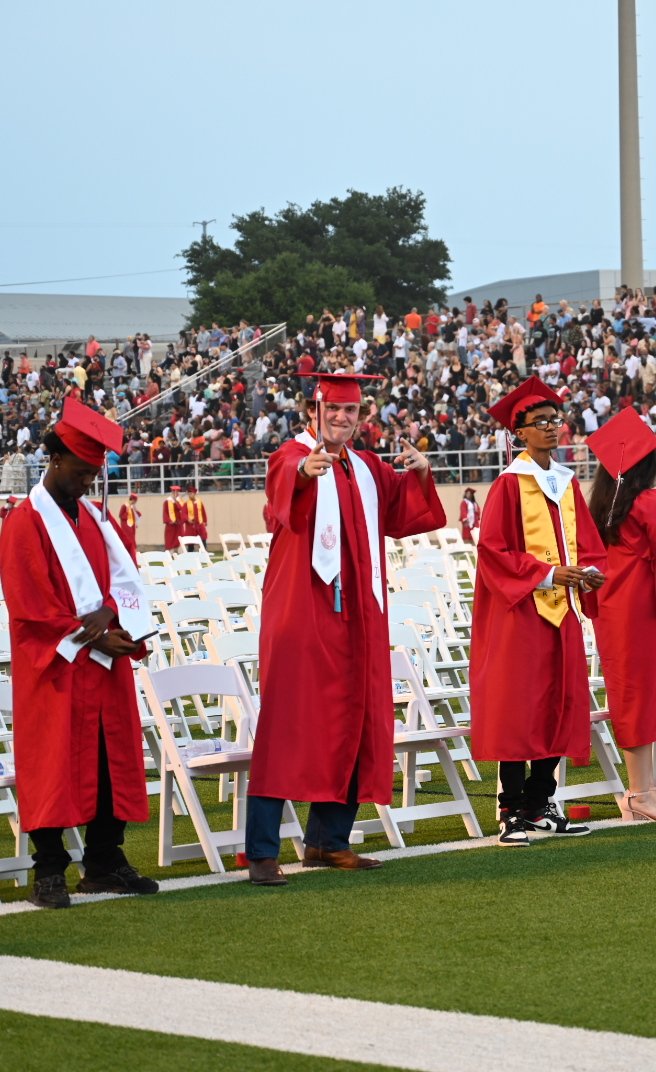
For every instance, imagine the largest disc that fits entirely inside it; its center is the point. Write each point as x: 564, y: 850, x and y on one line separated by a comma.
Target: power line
x: 84, y: 278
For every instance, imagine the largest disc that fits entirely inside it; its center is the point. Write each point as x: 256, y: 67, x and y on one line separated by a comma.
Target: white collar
x: 553, y: 481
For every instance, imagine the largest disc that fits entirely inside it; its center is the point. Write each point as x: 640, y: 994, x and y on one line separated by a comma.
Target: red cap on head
x: 192, y: 489
x: 88, y: 434
x: 339, y: 387
x: 133, y: 495
x: 175, y: 487
x: 622, y: 442
x: 532, y: 391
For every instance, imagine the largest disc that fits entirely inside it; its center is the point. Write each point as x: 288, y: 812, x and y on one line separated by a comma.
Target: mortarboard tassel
x: 509, y: 446
x: 620, y: 481
x: 105, y: 488
x: 318, y: 398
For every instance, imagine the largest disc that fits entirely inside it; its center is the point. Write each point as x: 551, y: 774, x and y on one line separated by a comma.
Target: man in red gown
x: 195, y: 515
x: 470, y: 514
x: 538, y: 553
x: 173, y: 519
x: 128, y: 517
x: 71, y: 589
x: 325, y: 730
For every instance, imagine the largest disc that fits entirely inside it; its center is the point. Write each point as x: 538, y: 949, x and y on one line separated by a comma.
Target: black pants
x: 104, y: 834
x: 328, y: 827
x: 532, y: 793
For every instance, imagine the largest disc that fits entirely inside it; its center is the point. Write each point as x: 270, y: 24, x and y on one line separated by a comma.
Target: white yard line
x: 400, y: 1036
x: 171, y: 885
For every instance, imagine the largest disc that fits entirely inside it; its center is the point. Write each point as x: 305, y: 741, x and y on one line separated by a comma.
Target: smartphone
x: 146, y: 636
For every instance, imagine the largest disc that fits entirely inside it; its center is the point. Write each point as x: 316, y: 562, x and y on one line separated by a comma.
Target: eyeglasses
x: 544, y: 422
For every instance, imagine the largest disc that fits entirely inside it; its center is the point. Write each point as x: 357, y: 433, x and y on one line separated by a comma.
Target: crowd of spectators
x: 440, y: 372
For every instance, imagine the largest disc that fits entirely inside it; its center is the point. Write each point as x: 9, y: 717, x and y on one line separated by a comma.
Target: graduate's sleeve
x: 40, y: 615
x: 410, y: 504
x: 591, y: 550
x: 290, y: 499
x: 123, y: 512
x: 505, y: 568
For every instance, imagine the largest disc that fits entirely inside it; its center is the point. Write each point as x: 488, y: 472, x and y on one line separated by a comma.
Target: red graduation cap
x: 532, y: 391
x: 192, y: 489
x: 175, y: 487
x: 88, y: 434
x: 133, y: 496
x: 622, y: 442
x: 339, y: 387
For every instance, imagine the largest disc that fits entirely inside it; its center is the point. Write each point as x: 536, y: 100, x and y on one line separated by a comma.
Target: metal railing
x: 246, y: 354
x: 240, y: 474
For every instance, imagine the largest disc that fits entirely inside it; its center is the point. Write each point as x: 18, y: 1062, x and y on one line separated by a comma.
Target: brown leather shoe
x: 265, y: 873
x: 342, y: 859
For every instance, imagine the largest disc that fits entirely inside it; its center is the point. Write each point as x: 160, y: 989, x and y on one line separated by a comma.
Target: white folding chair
x: 231, y: 543
x: 418, y: 732
x: 154, y: 558
x: 260, y: 539
x: 17, y: 865
x: 194, y: 543
x: 181, y: 765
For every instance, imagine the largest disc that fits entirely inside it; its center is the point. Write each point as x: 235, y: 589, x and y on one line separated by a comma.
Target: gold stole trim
x: 190, y: 510
x: 173, y: 516
x: 540, y: 541
x: 130, y: 517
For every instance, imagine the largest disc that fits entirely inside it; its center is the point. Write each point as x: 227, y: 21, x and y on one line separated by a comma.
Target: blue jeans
x: 328, y: 827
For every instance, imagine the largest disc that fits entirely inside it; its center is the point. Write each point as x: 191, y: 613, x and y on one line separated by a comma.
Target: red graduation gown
x: 172, y: 529
x: 128, y: 532
x: 197, y: 526
x: 626, y: 625
x: 528, y: 679
x: 325, y: 676
x: 59, y: 706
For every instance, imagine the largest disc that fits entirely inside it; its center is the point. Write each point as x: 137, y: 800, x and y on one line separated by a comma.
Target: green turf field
x: 550, y: 933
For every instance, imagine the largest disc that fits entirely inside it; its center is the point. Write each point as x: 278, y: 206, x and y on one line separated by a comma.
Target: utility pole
x: 203, y: 224
x: 630, y: 197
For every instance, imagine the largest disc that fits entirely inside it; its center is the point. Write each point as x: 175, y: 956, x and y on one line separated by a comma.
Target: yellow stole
x: 540, y: 540
x: 173, y: 516
x: 191, y: 505
x: 129, y: 520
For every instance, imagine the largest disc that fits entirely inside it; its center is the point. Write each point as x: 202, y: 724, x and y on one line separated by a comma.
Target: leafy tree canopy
x: 364, y: 249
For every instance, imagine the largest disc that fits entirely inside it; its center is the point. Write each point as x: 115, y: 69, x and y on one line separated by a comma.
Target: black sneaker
x: 124, y: 879
x: 548, y: 821
x: 50, y: 892
x: 511, y: 830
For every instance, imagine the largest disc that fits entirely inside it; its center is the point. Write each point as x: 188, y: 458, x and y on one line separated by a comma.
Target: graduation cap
x: 86, y: 433
x: 531, y: 392
x: 622, y: 442
x: 619, y: 445
x: 338, y: 387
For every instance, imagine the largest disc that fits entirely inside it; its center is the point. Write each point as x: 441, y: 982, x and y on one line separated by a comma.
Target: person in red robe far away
x: 539, y: 553
x: 195, y: 515
x: 77, y: 734
x: 623, y: 505
x: 470, y: 514
x: 325, y: 730
x: 128, y: 517
x: 173, y: 519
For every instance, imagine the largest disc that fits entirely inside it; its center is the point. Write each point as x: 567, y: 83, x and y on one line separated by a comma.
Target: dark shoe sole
x: 39, y: 904
x: 268, y: 882
x: 336, y: 867
x: 82, y: 887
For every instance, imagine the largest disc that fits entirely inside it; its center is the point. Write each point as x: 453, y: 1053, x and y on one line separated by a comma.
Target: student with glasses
x: 539, y: 554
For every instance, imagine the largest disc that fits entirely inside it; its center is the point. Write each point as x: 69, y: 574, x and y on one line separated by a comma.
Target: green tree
x: 375, y: 247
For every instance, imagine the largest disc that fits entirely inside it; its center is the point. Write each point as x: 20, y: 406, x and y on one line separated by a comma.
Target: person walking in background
x: 173, y: 518
x: 538, y: 554
x: 470, y: 514
x: 195, y: 515
x: 623, y: 506
x: 129, y: 518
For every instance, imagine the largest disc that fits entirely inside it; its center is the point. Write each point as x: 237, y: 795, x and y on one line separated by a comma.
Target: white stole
x: 125, y: 583
x: 327, y: 543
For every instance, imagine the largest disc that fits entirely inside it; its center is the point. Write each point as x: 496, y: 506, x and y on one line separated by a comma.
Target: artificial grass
x: 142, y: 839
x: 557, y: 933
x: 35, y: 1043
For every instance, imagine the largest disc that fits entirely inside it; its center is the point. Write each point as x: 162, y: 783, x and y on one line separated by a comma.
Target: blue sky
x: 125, y: 122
